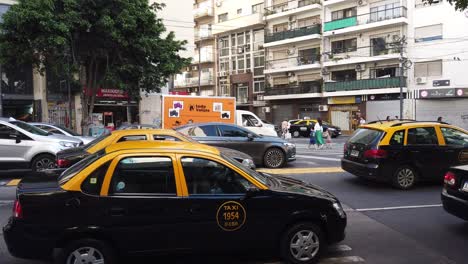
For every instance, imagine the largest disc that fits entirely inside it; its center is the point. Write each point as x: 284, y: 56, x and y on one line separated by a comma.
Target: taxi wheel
x: 296, y: 134
x: 86, y: 251
x: 405, y: 178
x: 302, y: 244
x: 43, y: 162
x: 274, y: 158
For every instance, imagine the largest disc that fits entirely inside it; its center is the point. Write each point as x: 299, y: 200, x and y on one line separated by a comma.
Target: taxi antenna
x: 379, y: 120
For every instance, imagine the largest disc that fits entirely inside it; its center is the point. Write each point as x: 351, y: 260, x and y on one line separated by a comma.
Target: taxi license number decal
x: 463, y: 156
x: 231, y: 216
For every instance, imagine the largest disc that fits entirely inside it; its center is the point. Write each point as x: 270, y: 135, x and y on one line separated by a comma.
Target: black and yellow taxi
x: 302, y: 128
x: 143, y: 198
x: 405, y: 152
x: 455, y: 192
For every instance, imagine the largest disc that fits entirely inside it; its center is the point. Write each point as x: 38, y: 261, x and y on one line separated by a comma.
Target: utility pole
x: 401, y: 45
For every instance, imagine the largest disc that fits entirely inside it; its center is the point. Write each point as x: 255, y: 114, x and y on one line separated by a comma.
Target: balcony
x: 293, y: 92
x: 207, y: 56
x: 381, y: 18
x: 291, y: 7
x: 203, y: 11
x: 193, y: 81
x: 202, y: 34
x: 238, y: 23
x: 352, y: 55
x: 294, y: 35
x: 379, y: 83
x: 292, y: 64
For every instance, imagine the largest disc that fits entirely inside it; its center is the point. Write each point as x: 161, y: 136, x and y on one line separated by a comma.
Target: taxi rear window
x: 81, y: 165
x: 366, y: 136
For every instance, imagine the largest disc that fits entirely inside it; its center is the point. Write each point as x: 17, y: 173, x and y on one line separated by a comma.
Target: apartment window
x: 428, y: 33
x: 222, y: 17
x: 428, y: 69
x: 223, y: 64
x: 259, y: 85
x: 240, y: 39
x: 384, y: 12
x: 385, y: 72
x: 307, y: 22
x: 224, y: 46
x: 280, y: 27
x: 258, y: 8
x: 280, y: 54
x: 248, y: 64
x: 344, y: 76
x: 382, y: 44
x: 259, y: 63
x: 239, y: 11
x: 243, y: 93
x: 344, y: 13
x: 233, y: 64
x: 259, y: 39
x: 282, y: 81
x: 342, y: 46
x: 241, y: 63
x: 308, y: 56
x: 280, y: 5
x: 233, y: 40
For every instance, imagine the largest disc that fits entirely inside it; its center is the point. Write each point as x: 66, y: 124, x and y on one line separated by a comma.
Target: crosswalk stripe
x: 339, y: 260
x: 302, y: 170
x: 13, y: 182
x: 315, y: 157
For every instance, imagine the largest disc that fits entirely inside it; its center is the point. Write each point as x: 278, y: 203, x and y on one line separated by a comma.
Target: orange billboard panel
x: 182, y: 110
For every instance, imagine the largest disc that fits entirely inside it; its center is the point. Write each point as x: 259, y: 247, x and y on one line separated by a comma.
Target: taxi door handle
x: 117, y: 211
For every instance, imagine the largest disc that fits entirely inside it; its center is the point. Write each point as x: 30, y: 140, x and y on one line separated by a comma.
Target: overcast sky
x: 178, y: 17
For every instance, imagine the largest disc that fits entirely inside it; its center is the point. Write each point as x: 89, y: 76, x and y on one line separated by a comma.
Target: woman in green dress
x: 318, y: 128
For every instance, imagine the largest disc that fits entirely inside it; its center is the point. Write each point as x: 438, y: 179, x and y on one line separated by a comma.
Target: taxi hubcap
x: 45, y: 163
x: 85, y: 255
x: 405, y: 178
x: 274, y: 158
x: 304, y: 245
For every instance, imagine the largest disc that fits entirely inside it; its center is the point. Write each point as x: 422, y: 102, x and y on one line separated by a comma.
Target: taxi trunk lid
x: 39, y: 182
x: 362, y: 141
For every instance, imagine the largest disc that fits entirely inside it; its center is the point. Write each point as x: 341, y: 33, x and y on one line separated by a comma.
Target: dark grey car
x: 271, y: 152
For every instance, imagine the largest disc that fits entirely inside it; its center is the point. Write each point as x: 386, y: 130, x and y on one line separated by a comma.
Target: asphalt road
x: 385, y: 225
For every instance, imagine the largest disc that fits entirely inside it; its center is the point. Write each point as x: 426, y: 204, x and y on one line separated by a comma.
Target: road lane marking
x: 396, y: 208
x: 302, y: 170
x: 315, y: 157
x: 350, y: 259
x: 14, y: 182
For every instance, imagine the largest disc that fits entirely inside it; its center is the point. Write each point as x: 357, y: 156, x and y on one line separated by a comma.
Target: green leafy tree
x: 460, y: 5
x: 106, y: 43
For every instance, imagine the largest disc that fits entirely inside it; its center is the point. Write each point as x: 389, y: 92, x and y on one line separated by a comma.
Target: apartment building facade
x: 240, y: 35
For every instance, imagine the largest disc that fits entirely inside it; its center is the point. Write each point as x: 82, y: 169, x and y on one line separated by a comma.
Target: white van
x: 252, y: 122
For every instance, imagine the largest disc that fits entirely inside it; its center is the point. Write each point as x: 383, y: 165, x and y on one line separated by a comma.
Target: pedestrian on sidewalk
x: 327, y: 136
x: 318, y: 128
x: 312, y: 139
x: 284, y: 128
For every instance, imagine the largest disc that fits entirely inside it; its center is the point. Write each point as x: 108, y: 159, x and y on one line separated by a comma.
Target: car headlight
x: 67, y: 144
x: 339, y: 210
x: 289, y: 145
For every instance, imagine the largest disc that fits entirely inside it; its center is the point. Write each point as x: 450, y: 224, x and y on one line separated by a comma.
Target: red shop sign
x: 109, y: 93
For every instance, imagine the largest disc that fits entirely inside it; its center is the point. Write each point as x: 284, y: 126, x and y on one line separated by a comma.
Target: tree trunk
x: 87, y: 95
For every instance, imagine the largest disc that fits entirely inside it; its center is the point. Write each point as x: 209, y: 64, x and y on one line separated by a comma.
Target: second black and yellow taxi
x: 145, y: 197
x: 403, y: 152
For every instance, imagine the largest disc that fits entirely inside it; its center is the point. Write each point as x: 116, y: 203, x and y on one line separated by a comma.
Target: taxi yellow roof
x: 139, y: 131
x: 387, y: 124
x: 161, y: 145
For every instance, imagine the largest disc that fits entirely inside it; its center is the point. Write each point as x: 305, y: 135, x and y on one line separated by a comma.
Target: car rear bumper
x: 22, y: 244
x: 454, y: 205
x: 368, y: 171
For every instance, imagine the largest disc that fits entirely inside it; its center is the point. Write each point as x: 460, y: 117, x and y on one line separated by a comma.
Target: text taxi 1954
x: 143, y: 197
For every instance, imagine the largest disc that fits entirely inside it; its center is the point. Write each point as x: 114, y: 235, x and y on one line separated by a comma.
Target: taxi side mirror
x: 251, y: 192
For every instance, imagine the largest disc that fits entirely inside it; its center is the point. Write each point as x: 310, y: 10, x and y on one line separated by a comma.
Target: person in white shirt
x: 362, y: 121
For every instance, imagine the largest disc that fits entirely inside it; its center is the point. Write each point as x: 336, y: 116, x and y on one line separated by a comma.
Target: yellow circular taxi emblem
x: 231, y: 216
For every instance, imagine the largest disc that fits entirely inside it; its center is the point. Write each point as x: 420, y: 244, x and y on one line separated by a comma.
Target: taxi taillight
x: 375, y: 154
x: 63, y: 163
x: 450, y: 179
x: 17, y: 210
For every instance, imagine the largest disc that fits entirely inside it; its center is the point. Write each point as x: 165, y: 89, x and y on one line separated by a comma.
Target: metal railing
x: 367, y: 51
x: 378, y: 83
x: 290, y: 5
x: 292, y: 62
x: 294, y: 33
x: 372, y: 17
x: 192, y: 82
x: 295, y: 89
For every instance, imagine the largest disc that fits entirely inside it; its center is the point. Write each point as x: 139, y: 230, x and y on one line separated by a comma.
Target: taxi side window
x: 422, y: 136
x: 144, y: 176
x: 208, y: 177
x: 398, y: 138
x: 454, y: 136
x: 165, y: 138
x: 92, y: 185
x: 132, y: 138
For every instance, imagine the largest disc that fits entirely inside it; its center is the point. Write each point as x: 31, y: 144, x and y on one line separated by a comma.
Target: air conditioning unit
x: 292, y: 18
x: 266, y: 109
x: 240, y: 50
x: 421, y: 80
x: 222, y: 74
x: 362, y: 2
x: 325, y: 71
x: 323, y: 108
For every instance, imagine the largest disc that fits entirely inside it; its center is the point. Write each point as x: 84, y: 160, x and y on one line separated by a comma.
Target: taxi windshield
x: 259, y: 177
x: 76, y: 168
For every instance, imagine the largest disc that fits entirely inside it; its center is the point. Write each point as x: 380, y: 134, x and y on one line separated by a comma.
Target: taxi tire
x: 404, y: 169
x: 286, y: 254
x: 268, y: 153
x: 296, y: 134
x: 104, y: 248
